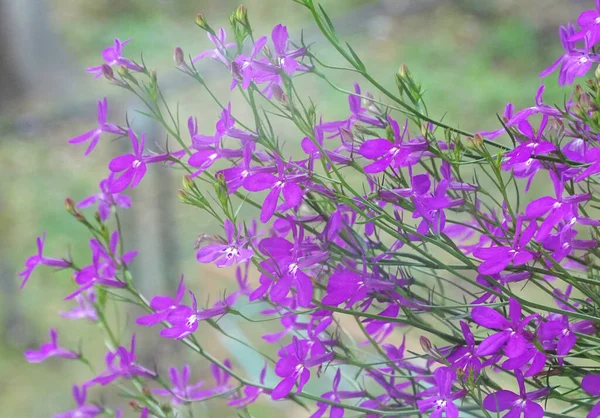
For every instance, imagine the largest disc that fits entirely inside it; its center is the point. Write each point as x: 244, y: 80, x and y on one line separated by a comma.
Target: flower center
x: 583, y: 60
x: 520, y: 403
x: 293, y: 268
x: 191, y: 321
x: 441, y: 404
x: 231, y: 252
x: 136, y: 163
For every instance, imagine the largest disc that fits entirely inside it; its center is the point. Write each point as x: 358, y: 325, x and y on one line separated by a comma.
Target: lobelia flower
x: 591, y: 156
x: 221, y: 46
x: 539, y: 108
x: 465, y: 357
x: 293, y: 366
x: 591, y: 384
x: 103, y: 127
x: 392, y: 154
x: 82, y: 410
x: 162, y: 306
x: 497, y: 258
x: 534, y: 145
x: 105, y: 199
x: 380, y: 329
x: 113, y: 55
x: 498, y: 280
x: 184, y: 320
x: 251, y: 393
x: 105, y: 264
x: 85, y: 308
x: 348, y: 286
x: 121, y: 363
x: 560, y: 329
x: 441, y: 398
x: 49, y: 349
x: 521, y: 404
x: 291, y: 262
x: 132, y: 166
x: 559, y: 208
x: 563, y: 243
x: 574, y: 62
x: 39, y: 259
x: 224, y: 255
x: 284, y: 182
x: 181, y: 392
x: 336, y: 396
x: 511, y: 334
x: 285, y: 57
x: 249, y: 69
x: 590, y: 27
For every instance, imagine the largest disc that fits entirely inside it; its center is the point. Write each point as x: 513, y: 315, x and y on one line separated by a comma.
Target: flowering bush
x: 389, y: 217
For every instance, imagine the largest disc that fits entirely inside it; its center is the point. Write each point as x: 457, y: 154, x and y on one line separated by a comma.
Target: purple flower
x: 590, y: 24
x: 113, y: 55
x: 591, y: 384
x: 85, y: 308
x: 392, y: 154
x: 511, y: 333
x: 285, y: 58
x: 132, y: 166
x: 121, y: 363
x: 574, y: 62
x: 560, y: 329
x: 83, y: 410
x: 521, y: 404
x: 540, y: 107
x: 251, y: 393
x: 293, y: 366
x: 162, y: 306
x: 441, y: 398
x: 35, y: 260
x: 224, y: 255
x: 497, y: 258
x: 184, y: 320
x: 181, y: 392
x: 336, y: 396
x: 105, y: 199
x: 221, y: 46
x: 49, y: 349
x: 94, y: 135
x: 465, y: 357
x: 532, y: 146
x: 560, y: 207
x: 284, y: 182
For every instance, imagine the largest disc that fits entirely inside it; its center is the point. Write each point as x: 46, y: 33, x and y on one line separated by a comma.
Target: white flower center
x: 231, y: 252
x: 441, y: 403
x: 583, y: 60
x: 293, y: 268
x: 136, y: 163
x: 191, y: 321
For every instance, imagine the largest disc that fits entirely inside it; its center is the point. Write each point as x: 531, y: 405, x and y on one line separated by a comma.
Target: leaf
x: 359, y: 63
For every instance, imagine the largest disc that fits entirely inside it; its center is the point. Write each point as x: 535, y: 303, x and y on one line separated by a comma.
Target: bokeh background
x: 472, y: 57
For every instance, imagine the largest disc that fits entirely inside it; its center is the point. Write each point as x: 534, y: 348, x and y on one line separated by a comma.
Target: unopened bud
x: 241, y: 14
x: 178, y: 56
x: 597, y: 73
x: 403, y: 71
x: 202, y: 23
x: 476, y: 140
x: 425, y: 344
x: 107, y: 71
x: 188, y: 183
x: 72, y: 209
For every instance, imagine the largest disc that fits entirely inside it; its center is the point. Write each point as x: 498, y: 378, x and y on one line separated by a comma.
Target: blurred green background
x: 471, y: 56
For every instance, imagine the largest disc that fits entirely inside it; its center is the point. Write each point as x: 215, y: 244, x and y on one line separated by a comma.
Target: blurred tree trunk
x: 33, y: 61
x: 32, y: 65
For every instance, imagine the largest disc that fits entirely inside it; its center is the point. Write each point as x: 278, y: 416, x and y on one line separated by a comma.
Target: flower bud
x: 201, y: 21
x: 107, y: 71
x: 403, y: 71
x: 72, y: 209
x: 178, y: 56
x: 241, y: 14
x: 188, y: 183
x: 476, y: 140
x: 597, y: 72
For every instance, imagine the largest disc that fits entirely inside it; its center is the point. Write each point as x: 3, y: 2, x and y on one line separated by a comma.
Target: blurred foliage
x: 472, y: 57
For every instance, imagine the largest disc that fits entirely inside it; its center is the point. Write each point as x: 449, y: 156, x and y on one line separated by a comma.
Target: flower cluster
x: 390, y: 217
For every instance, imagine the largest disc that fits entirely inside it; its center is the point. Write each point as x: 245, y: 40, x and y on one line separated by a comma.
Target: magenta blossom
x: 121, y: 363
x: 511, y: 333
x: 105, y: 199
x: 82, y: 410
x: 103, y: 126
x: 440, y: 399
x: 113, y: 55
x: 181, y: 392
x: 591, y: 384
x: 162, y: 306
x: 132, y: 166
x: 221, y: 46
x: 521, y: 404
x: 251, y: 393
x: 224, y: 255
x: 50, y: 349
x: 293, y: 366
x: 335, y: 395
x: 85, y: 308
x: 39, y: 259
